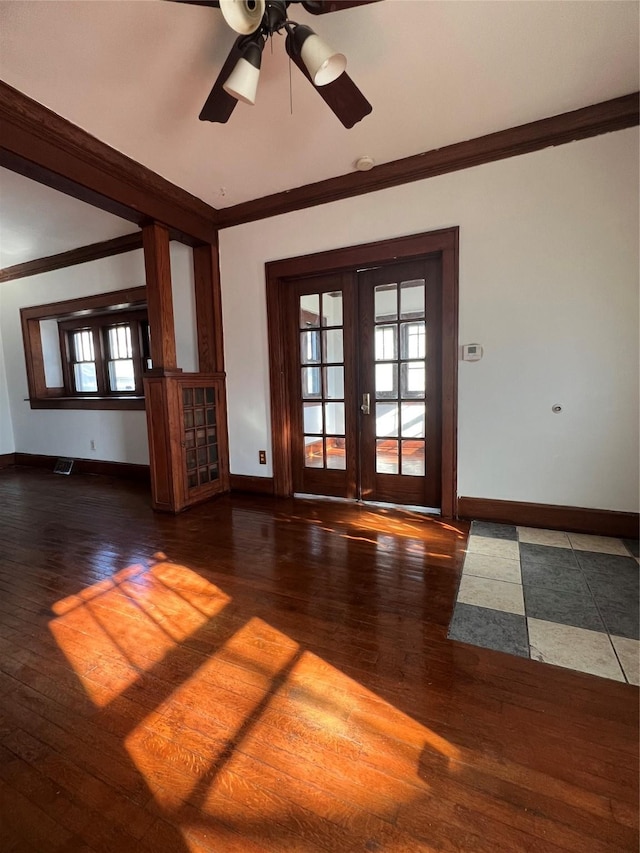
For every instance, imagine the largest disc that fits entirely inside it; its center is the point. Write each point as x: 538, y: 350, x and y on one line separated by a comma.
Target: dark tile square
x: 547, y: 555
x: 491, y: 629
x: 618, y: 592
x: 607, y: 564
x: 569, y: 607
x: 494, y: 531
x: 633, y: 545
x: 621, y: 622
x: 553, y: 576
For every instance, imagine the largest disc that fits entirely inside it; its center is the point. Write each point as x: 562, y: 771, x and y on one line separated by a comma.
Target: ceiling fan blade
x: 322, y: 7
x: 342, y: 95
x: 219, y: 105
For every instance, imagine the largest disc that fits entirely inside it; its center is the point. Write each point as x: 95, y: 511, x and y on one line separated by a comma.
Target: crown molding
x: 93, y: 252
x: 38, y: 143
x: 616, y: 114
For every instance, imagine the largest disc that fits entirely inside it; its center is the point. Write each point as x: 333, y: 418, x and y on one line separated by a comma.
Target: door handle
x: 365, y: 408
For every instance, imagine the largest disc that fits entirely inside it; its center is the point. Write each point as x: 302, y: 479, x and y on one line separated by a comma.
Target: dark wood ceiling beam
x: 42, y: 145
x: 94, y: 252
x: 594, y: 120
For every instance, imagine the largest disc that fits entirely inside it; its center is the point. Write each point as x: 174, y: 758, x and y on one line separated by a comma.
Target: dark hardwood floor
x: 262, y: 675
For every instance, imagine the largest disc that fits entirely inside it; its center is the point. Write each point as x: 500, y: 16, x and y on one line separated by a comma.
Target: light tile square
x: 490, y: 593
x: 629, y: 656
x: 554, y: 538
x: 573, y: 648
x: 598, y: 544
x: 484, y: 566
x: 505, y: 548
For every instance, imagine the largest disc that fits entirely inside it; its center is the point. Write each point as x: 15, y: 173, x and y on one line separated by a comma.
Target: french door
x: 364, y: 355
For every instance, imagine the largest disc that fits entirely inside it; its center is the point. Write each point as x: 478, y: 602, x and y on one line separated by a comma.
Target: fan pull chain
x: 290, y: 90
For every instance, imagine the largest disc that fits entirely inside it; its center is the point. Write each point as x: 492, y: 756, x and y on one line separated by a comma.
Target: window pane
x: 413, y: 458
x: 412, y: 379
x: 386, y: 381
x: 336, y: 454
x: 386, y: 419
x: 386, y: 302
x: 334, y: 418
x: 387, y: 457
x: 332, y: 309
x: 313, y: 451
x: 386, y: 343
x: 85, y: 378
x: 309, y: 310
x: 413, y: 417
x: 412, y: 299
x: 332, y: 342
x: 413, y: 339
x: 310, y: 347
x: 311, y: 382
x: 312, y: 417
x: 121, y: 375
x: 334, y: 383
x: 83, y: 345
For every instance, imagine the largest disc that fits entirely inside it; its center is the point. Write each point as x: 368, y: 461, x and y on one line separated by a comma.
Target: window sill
x: 123, y: 403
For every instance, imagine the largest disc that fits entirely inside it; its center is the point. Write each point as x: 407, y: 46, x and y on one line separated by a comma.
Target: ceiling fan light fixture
x: 242, y: 83
x: 243, y: 16
x: 321, y: 61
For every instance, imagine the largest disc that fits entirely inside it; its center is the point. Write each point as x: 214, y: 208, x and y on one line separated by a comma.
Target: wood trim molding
x: 253, y: 485
x: 208, y: 298
x: 124, y: 470
x: 132, y: 296
x: 38, y: 143
x: 600, y: 522
x: 616, y: 114
x: 157, y: 264
x: 445, y: 242
x: 93, y: 252
x: 7, y: 460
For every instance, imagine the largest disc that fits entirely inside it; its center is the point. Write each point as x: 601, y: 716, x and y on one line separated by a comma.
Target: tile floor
x: 563, y: 598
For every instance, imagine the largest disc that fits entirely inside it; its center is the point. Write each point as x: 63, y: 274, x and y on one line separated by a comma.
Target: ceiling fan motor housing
x: 243, y: 16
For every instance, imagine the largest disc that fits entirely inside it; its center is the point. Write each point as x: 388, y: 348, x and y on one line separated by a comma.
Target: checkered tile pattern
x: 563, y: 598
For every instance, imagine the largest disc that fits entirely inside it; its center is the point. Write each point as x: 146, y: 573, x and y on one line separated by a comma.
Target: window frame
x: 99, y: 313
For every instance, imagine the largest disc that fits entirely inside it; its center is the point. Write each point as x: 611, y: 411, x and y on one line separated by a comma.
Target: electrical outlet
x: 262, y: 457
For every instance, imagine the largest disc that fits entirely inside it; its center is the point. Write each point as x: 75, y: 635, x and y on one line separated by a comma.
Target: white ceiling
x: 135, y: 74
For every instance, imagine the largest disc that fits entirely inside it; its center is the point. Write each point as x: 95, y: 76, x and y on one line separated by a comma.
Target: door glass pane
x: 386, y: 302
x: 386, y: 419
x: 309, y: 310
x: 334, y: 383
x: 332, y: 309
x: 332, y: 343
x: 312, y: 417
x: 313, y: 451
x: 386, y: 381
x: 85, y: 378
x: 387, y: 457
x: 413, y: 340
x: 334, y: 418
x: 386, y: 343
x: 413, y: 420
x: 336, y: 454
x: 413, y: 458
x: 310, y: 347
x: 412, y: 379
x: 412, y: 299
x: 311, y: 382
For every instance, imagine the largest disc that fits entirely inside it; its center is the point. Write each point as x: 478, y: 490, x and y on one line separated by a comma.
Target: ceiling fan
x: 258, y: 20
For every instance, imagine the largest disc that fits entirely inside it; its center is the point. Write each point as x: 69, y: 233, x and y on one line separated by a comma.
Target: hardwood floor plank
x: 260, y: 675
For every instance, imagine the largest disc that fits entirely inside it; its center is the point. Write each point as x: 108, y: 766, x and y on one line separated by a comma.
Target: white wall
x: 6, y: 427
x: 119, y: 436
x: 549, y: 287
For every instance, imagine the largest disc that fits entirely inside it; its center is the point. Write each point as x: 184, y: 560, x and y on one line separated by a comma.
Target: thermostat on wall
x: 471, y: 352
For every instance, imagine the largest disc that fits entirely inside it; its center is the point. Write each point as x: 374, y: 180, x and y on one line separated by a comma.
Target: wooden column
x: 157, y: 264
x: 208, y: 308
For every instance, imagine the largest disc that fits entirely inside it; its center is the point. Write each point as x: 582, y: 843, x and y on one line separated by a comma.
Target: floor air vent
x: 63, y: 466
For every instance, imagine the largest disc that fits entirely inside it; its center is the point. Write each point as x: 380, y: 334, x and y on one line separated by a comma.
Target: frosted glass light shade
x: 242, y: 83
x: 322, y: 63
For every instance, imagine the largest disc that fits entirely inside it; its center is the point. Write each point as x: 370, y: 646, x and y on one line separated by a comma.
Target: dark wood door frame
x: 279, y: 273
